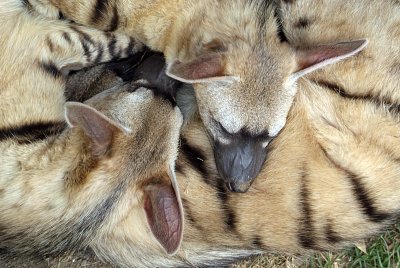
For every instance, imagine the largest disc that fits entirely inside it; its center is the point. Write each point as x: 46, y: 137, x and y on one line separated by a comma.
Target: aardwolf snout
x: 239, y: 163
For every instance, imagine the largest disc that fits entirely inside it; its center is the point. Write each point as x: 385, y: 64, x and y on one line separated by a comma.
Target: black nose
x: 239, y: 163
x: 238, y: 187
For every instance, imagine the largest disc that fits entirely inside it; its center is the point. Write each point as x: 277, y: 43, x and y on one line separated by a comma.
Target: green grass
x: 383, y: 251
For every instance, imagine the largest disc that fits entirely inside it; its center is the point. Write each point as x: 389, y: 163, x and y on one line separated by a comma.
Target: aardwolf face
x: 245, y: 106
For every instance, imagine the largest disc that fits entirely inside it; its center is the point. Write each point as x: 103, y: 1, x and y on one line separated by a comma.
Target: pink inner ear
x: 312, y: 56
x: 164, y: 216
x: 96, y: 126
x: 309, y: 58
x: 207, y: 66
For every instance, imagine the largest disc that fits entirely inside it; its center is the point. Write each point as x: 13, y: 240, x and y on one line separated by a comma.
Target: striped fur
x: 51, y: 169
x: 331, y: 179
x: 375, y: 69
x: 36, y: 54
x: 233, y: 51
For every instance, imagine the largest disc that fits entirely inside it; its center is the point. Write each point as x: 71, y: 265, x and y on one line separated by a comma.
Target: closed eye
x: 222, y: 130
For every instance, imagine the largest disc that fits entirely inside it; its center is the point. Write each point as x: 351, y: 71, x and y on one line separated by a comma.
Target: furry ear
x: 164, y: 211
x: 204, y: 69
x: 96, y: 126
x: 314, y: 58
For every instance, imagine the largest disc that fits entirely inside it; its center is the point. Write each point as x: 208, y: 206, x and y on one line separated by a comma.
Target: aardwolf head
x: 132, y: 133
x: 244, y: 106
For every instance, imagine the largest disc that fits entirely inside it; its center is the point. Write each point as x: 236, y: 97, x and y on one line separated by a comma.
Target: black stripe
x: 190, y: 217
x: 51, y: 68
x: 179, y: 168
x: 114, y: 20
x: 67, y: 37
x: 89, y: 224
x: 365, y: 201
x: 394, y: 108
x: 303, y: 23
x: 32, y: 132
x: 111, y: 44
x: 306, y: 231
x: 230, y: 218
x: 27, y: 5
x: 131, y: 45
x: 280, y: 30
x: 257, y: 242
x: 61, y: 16
x: 99, y: 11
x: 361, y: 193
x: 331, y: 235
x: 222, y: 194
x: 100, y: 52
x: 196, y: 158
x: 188, y: 211
x: 395, y: 68
x: 339, y: 90
x: 112, y: 48
x: 263, y: 10
x: 81, y: 231
x: 86, y: 40
x: 50, y: 44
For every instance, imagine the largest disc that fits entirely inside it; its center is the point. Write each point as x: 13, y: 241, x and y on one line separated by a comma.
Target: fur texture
x: 57, y: 157
x: 331, y: 179
x: 376, y: 69
x: 39, y: 53
x: 235, y: 55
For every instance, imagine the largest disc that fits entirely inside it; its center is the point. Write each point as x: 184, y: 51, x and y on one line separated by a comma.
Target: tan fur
x: 39, y: 51
x: 184, y: 30
x: 245, y: 80
x: 319, y: 150
x: 59, y: 174
x: 331, y: 179
x: 376, y: 68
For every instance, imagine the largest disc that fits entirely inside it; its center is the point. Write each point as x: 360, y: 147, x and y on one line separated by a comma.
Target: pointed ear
x: 164, y: 211
x: 314, y: 58
x: 204, y: 69
x: 96, y: 126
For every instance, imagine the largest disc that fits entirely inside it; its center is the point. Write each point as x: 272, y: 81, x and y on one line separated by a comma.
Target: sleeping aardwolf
x: 57, y: 159
x: 331, y: 179
x: 235, y: 55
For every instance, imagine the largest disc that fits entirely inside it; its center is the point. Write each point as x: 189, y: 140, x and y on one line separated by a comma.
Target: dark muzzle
x: 239, y: 163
